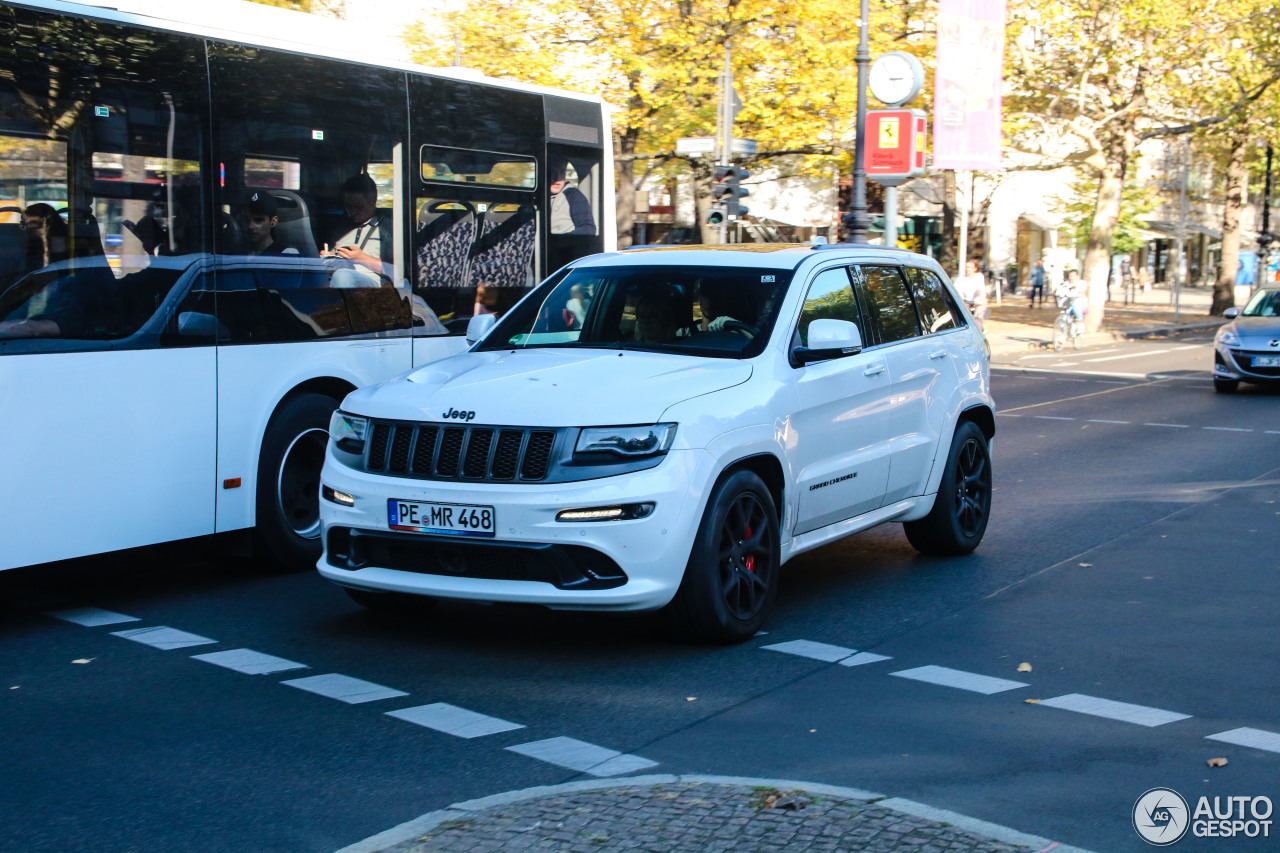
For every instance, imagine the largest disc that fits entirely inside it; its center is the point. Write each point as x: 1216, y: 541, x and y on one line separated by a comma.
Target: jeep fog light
x: 337, y: 497
x: 622, y: 512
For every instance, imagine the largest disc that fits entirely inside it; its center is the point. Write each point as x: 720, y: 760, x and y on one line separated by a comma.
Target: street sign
x: 696, y: 145
x: 894, y: 151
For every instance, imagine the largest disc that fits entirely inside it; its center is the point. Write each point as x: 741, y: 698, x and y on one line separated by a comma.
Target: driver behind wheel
x: 715, y: 310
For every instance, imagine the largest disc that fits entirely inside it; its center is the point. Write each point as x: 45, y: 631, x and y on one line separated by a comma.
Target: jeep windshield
x: 722, y: 312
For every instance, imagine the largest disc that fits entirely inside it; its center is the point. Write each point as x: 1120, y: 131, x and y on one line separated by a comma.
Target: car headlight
x: 1228, y: 338
x: 628, y: 442
x: 348, y: 431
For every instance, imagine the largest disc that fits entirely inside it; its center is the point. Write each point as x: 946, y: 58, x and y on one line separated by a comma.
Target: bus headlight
x: 348, y: 432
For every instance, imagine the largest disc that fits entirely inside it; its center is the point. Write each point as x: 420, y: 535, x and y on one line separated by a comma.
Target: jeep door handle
x: 937, y: 354
x: 874, y: 370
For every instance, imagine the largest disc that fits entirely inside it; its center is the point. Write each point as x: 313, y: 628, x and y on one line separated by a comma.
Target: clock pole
x: 857, y: 219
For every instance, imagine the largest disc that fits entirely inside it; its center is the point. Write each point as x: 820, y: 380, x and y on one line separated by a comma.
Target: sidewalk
x: 698, y: 814
x: 1015, y: 328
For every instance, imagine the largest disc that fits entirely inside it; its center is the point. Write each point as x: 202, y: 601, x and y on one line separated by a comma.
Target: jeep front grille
x: 467, y: 453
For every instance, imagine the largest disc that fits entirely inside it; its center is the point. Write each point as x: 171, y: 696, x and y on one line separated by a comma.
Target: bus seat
x: 445, y: 234
x: 503, y: 254
x: 293, y: 227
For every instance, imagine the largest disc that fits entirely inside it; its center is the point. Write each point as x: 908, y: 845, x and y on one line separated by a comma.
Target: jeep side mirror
x: 1231, y: 313
x: 829, y: 339
x: 479, y: 326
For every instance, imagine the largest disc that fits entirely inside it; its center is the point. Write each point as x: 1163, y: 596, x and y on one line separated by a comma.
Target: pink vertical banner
x: 966, y: 93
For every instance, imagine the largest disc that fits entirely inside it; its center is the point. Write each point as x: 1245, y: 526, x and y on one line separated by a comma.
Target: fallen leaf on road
x: 1217, y: 762
x: 1024, y: 667
x: 82, y: 660
x: 811, y: 731
x: 691, y: 699
x: 1086, y: 565
x: 770, y: 801
x: 1031, y: 701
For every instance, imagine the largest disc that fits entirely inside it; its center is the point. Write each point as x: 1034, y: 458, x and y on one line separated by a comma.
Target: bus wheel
x: 289, y: 481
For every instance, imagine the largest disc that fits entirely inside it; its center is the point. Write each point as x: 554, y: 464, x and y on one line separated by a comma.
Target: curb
x: 471, y: 808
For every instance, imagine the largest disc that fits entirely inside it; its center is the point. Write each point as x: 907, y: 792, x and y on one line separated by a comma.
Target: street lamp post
x: 1264, y: 236
x: 857, y: 220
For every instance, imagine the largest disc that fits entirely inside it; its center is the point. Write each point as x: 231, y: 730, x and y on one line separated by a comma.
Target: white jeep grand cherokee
x: 665, y: 427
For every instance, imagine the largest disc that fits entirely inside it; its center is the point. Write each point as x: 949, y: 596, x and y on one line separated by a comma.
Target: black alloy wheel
x: 956, y: 523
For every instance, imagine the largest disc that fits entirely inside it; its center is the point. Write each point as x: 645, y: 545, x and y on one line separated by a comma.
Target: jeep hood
x: 548, y: 387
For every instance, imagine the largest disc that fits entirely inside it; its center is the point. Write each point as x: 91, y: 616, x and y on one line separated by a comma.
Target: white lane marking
x: 1171, y: 426
x: 91, y: 617
x: 810, y: 649
x: 1072, y: 380
x: 453, y: 720
x: 1273, y: 432
x: 1128, y: 355
x: 863, y: 657
x: 1256, y: 738
x: 344, y: 688
x: 1006, y: 415
x: 1123, y: 711
x: 1110, y: 382
x: 163, y: 637
x: 1060, y: 355
x: 582, y: 756
x: 1052, y: 418
x: 960, y: 679
x: 1032, y: 372
x: 1101, y: 421
x: 1228, y: 429
x: 249, y: 662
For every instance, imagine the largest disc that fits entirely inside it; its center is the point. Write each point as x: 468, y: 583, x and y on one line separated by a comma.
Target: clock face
x: 896, y: 78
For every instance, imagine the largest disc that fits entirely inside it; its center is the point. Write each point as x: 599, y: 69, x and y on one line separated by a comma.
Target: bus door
x: 108, y: 392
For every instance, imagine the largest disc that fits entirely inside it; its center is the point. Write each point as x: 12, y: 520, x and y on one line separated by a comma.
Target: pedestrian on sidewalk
x: 1037, y: 283
x: 972, y: 288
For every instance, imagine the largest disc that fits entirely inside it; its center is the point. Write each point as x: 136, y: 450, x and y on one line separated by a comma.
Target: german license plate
x: 452, y: 519
x: 1266, y: 361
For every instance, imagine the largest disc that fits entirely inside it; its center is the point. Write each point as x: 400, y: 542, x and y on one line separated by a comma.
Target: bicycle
x: 1066, y: 327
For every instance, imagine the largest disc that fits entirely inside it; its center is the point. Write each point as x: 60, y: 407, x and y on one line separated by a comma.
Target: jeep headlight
x: 1228, y: 337
x: 348, y: 432
x: 627, y: 442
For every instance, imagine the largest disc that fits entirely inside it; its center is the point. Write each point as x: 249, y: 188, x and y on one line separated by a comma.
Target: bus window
x: 573, y: 186
x: 101, y: 178
x: 302, y: 184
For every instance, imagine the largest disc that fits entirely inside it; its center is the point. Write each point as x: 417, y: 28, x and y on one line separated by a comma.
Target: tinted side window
x: 101, y: 131
x: 830, y: 297
x: 888, y: 303
x: 931, y: 300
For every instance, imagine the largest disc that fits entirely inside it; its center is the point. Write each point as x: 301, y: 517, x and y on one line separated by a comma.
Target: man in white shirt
x: 972, y: 288
x: 367, y: 245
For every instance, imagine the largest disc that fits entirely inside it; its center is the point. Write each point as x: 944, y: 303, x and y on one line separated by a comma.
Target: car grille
x: 1244, y: 358
x: 562, y: 566
x: 467, y: 453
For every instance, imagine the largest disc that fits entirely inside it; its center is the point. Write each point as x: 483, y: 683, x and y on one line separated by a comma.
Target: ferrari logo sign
x: 895, y: 145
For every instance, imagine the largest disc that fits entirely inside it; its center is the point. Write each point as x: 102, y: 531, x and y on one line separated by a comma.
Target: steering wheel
x: 739, y: 327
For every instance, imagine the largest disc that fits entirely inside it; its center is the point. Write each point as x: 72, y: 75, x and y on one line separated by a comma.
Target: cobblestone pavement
x: 699, y: 817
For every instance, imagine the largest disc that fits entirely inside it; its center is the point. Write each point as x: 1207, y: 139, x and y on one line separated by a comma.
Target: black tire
x: 394, y: 603
x: 962, y: 507
x: 293, y: 450
x: 731, y: 579
x: 1225, y: 386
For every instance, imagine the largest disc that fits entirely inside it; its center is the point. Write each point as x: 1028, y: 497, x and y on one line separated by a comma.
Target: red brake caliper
x: 750, y: 561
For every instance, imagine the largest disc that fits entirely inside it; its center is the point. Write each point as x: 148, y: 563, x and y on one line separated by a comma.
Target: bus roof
x: 282, y: 29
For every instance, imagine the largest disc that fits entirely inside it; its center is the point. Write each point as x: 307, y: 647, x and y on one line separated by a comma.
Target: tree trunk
x: 626, y: 194
x: 949, y: 251
x: 1224, y: 289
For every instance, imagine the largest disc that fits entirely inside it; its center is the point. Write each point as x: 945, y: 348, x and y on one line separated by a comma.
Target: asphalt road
x: 1133, y: 556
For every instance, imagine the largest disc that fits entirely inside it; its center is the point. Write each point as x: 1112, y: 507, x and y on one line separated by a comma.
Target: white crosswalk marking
x: 582, y: 756
x: 1123, y: 711
x: 163, y: 637
x: 344, y: 688
x: 1256, y: 738
x: 249, y: 662
x: 453, y: 720
x: 810, y: 649
x: 92, y: 617
x: 958, y: 678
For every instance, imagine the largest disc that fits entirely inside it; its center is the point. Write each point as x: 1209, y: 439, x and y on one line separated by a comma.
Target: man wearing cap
x: 260, y: 218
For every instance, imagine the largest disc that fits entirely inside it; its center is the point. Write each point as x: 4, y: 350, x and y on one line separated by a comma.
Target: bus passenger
x: 570, y: 210
x: 260, y: 217
x: 365, y: 241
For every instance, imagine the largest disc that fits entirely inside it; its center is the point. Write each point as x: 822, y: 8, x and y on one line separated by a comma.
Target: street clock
x: 896, y: 77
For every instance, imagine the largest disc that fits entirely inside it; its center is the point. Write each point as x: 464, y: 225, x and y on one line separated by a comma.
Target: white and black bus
x: 208, y: 237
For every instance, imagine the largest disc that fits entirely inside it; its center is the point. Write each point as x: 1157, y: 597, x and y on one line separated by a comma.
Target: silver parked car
x: 1247, y: 349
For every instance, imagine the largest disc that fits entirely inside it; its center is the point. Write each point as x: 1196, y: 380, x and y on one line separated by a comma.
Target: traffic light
x: 726, y: 193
